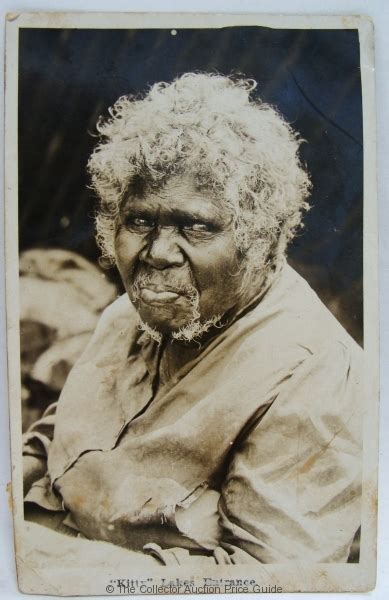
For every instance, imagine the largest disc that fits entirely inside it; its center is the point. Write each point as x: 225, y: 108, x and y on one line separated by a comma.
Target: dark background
x: 69, y: 77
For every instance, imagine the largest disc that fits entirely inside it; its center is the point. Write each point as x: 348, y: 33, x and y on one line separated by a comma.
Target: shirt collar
x: 151, y: 350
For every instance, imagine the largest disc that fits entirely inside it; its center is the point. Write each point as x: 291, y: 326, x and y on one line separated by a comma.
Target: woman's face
x: 174, y: 245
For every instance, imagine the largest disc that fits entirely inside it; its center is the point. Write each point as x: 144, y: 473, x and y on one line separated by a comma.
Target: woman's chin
x: 163, y: 319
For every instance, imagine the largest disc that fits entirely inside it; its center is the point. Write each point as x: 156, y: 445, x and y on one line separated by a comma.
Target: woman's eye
x: 197, y: 227
x: 140, y: 224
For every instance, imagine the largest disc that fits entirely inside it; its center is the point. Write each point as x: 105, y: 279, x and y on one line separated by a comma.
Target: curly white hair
x: 209, y: 126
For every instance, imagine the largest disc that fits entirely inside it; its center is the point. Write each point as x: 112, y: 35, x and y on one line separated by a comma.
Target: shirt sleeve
x: 36, y: 442
x: 37, y: 439
x: 293, y: 488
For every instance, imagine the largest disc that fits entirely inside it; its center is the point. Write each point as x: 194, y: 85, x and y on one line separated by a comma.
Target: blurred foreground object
x: 61, y: 297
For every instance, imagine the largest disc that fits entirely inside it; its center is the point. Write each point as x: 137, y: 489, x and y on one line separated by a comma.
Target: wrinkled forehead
x: 178, y: 194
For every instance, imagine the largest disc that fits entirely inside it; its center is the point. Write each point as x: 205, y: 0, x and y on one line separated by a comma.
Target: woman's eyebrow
x: 177, y: 215
x: 193, y: 215
x: 138, y: 211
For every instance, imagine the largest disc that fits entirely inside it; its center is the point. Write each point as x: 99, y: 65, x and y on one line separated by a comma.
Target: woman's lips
x: 161, y: 297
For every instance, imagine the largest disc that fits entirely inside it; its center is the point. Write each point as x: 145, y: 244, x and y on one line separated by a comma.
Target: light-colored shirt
x: 251, y: 452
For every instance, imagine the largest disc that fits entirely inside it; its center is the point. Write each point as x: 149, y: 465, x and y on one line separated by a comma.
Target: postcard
x: 191, y: 264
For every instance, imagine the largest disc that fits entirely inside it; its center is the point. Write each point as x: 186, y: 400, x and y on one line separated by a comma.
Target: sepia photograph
x: 191, y: 303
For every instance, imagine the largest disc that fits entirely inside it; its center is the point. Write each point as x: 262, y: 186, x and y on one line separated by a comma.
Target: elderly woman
x: 216, y: 411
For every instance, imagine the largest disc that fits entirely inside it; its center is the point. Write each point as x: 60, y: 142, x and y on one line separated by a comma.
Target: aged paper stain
x: 9, y: 493
x: 12, y: 16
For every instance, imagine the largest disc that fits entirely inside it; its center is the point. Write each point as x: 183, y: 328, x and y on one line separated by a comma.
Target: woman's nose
x: 162, y: 250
